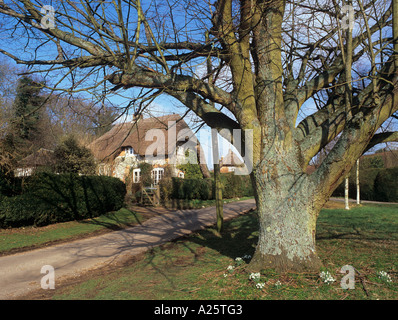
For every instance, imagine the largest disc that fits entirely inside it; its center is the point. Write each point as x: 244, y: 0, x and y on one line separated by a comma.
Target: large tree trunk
x: 288, y: 206
x: 285, y: 196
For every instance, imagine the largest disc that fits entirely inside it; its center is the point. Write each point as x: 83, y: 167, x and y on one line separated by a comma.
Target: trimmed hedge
x: 366, y: 185
x: 386, y: 185
x: 374, y: 184
x: 234, y: 186
x: 9, y: 185
x: 50, y: 198
x: 192, y: 189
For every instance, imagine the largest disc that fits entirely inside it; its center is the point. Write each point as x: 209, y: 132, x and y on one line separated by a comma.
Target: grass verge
x: 20, y: 239
x: 204, y: 265
x: 26, y: 238
x: 182, y: 204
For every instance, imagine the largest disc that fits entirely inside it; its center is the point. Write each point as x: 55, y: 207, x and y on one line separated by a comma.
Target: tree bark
x: 202, y: 162
x: 288, y: 205
x: 219, y: 201
x: 357, y: 183
x: 217, y: 183
x: 346, y: 189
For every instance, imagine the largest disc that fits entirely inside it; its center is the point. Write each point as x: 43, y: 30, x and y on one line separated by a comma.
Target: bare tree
x: 270, y: 60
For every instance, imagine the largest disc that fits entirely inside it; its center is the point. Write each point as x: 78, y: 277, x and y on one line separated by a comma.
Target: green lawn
x: 182, y: 204
x: 196, y: 267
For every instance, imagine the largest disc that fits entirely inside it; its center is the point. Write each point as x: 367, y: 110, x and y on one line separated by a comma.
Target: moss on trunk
x: 287, y: 214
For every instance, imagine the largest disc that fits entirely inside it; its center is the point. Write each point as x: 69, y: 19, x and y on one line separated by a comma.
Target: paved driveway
x: 21, y: 273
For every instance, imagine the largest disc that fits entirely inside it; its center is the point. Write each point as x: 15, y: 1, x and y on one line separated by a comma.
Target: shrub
x: 177, y: 184
x: 236, y: 186
x: 366, y: 185
x: 50, y: 198
x: 146, y: 178
x: 233, y: 186
x: 206, y: 189
x: 71, y: 157
x: 386, y: 185
x: 189, y: 188
x: 17, y: 211
x: 9, y: 184
x: 191, y: 170
x: 192, y: 189
x: 166, y: 184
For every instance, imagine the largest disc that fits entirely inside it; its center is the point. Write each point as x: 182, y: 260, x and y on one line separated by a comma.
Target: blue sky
x: 162, y: 104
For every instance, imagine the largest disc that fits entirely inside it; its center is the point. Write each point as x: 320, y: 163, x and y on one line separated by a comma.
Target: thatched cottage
x: 42, y: 158
x: 230, y: 162
x: 160, y: 141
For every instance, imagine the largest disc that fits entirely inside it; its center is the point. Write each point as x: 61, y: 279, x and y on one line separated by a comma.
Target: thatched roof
x: 231, y: 160
x: 42, y: 157
x: 132, y: 134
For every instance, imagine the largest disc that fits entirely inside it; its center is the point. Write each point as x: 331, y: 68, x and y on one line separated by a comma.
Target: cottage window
x: 129, y: 151
x: 136, y: 175
x: 157, y: 175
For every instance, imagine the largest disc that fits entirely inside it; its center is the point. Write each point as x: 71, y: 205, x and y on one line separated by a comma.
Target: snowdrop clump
x: 260, y: 285
x: 239, y: 261
x: 326, y: 277
x: 230, y: 269
x: 255, y: 276
x: 384, y: 276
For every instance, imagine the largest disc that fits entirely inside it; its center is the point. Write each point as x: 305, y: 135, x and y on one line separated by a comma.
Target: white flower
x: 225, y: 275
x: 278, y: 284
x: 326, y: 277
x: 255, y: 276
x: 230, y: 268
x: 384, y: 276
x: 260, y: 285
x: 239, y: 261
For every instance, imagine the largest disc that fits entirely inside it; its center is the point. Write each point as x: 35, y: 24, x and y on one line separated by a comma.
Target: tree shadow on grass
x: 115, y: 222
x: 370, y: 231
x: 239, y: 237
x: 172, y: 259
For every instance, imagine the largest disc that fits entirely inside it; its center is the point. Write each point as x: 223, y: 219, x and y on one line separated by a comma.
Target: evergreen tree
x: 27, y: 112
x: 71, y: 157
x: 191, y: 170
